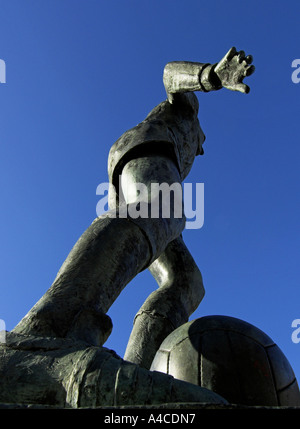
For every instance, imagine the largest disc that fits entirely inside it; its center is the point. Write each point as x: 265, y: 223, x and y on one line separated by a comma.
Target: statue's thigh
x: 140, y: 175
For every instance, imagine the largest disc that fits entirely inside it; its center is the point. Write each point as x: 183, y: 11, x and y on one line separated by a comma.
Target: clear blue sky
x: 81, y: 72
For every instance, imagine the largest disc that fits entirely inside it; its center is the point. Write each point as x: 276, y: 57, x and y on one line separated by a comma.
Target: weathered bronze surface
x: 54, y: 356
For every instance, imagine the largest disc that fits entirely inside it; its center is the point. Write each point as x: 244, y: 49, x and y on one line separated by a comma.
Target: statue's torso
x: 172, y: 129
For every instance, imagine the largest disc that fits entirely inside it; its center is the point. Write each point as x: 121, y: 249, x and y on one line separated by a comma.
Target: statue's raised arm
x: 229, y: 72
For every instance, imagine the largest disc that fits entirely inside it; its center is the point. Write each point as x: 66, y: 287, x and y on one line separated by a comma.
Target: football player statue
x: 117, y: 246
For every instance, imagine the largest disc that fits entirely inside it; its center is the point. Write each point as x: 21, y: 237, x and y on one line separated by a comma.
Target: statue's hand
x: 233, y: 68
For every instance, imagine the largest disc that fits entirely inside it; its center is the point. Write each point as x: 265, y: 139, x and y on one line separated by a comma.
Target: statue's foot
x: 66, y: 373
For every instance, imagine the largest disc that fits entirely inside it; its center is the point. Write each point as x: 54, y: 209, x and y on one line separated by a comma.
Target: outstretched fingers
x: 249, y: 70
x: 249, y: 59
x: 242, y: 87
x: 241, y: 56
x: 233, y: 68
x: 231, y: 53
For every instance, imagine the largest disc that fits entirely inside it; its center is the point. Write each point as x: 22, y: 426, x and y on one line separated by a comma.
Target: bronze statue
x: 115, y: 248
